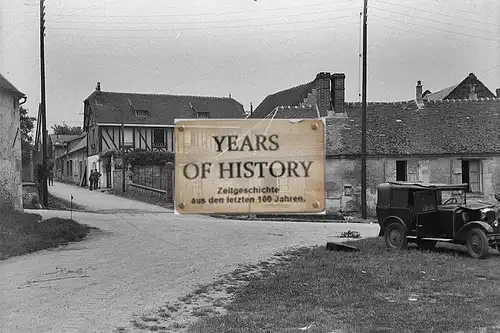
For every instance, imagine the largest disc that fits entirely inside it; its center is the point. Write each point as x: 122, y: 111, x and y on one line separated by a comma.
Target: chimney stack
x: 498, y: 92
x: 419, y: 98
x: 322, y: 86
x: 338, y: 92
x: 98, y: 87
x: 251, y: 109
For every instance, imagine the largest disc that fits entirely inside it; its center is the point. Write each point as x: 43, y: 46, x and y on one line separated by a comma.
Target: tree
x: 27, y: 125
x: 64, y: 129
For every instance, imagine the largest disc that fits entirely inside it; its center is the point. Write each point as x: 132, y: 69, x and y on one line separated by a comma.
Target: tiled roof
x: 81, y: 145
x: 289, y: 97
x: 162, y: 109
x: 63, y: 138
x: 441, y: 94
x: 401, y: 128
x: 6, y: 85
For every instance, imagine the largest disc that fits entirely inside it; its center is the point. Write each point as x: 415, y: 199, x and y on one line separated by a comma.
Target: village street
x: 137, y: 261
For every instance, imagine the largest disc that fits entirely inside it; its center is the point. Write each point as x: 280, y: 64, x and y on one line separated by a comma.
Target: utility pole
x: 123, y: 152
x: 45, y: 190
x: 363, y: 118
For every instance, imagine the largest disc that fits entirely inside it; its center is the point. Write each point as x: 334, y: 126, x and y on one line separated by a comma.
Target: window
x: 401, y: 171
x: 158, y: 137
x: 399, y: 198
x: 141, y: 113
x: 471, y: 174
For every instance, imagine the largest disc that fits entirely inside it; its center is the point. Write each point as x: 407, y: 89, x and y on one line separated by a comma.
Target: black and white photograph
x: 247, y: 166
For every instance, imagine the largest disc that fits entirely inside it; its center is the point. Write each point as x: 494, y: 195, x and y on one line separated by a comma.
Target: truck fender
x: 462, y: 232
x: 388, y: 220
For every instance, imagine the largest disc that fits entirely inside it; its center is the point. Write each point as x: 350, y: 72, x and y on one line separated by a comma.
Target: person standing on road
x: 91, y: 179
x: 97, y: 175
x: 51, y: 177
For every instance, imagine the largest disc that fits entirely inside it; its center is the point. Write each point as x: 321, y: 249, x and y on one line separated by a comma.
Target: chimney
x: 98, y: 87
x: 419, y: 98
x: 498, y: 92
x: 323, y: 93
x: 251, y: 109
x: 338, y: 92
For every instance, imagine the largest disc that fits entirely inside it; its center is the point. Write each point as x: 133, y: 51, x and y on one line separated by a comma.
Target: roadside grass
x: 143, y: 198
x: 56, y: 203
x: 373, y: 290
x: 22, y: 233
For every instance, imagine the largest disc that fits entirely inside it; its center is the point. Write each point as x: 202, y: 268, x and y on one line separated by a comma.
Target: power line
x: 438, y: 13
x: 407, y: 29
x: 201, y: 28
x: 204, y: 22
x: 436, y: 21
x: 148, y: 37
x: 212, y: 13
x: 426, y: 26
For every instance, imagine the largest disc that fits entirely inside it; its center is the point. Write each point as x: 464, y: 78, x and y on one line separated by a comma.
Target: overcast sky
x: 245, y: 48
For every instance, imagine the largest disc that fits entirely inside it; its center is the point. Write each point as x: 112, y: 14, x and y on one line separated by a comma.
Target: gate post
x: 169, y: 167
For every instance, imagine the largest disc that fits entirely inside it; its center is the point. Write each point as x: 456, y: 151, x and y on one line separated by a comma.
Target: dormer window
x: 98, y: 102
x: 203, y: 114
x: 141, y: 113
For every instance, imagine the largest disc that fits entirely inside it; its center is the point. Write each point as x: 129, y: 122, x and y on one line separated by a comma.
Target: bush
x: 146, y: 157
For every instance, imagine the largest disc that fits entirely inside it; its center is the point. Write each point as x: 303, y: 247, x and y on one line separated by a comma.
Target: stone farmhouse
x: 450, y: 136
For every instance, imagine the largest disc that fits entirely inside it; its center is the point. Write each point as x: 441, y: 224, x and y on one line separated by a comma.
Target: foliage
x: 27, y: 125
x: 146, y: 157
x: 64, y: 129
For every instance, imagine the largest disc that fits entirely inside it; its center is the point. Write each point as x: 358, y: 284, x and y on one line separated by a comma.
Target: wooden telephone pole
x: 122, y: 144
x: 43, y: 114
x: 363, y: 118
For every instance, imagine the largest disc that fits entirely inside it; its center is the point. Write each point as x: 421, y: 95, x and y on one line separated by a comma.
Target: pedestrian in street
x: 97, y: 175
x: 51, y: 177
x: 91, y: 179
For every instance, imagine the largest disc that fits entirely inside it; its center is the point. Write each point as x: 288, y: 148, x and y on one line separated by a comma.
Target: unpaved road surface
x: 136, y: 263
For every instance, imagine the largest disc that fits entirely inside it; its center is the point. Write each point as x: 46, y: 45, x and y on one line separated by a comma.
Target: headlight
x: 488, y: 215
x: 495, y: 223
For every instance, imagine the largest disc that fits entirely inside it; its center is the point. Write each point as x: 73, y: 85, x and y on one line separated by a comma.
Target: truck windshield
x: 455, y: 197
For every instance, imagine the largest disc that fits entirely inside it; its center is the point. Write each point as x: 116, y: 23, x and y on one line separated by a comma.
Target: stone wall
x: 10, y: 153
x: 343, y: 178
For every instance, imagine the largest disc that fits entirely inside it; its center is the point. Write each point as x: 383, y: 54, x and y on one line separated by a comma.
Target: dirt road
x: 137, y: 262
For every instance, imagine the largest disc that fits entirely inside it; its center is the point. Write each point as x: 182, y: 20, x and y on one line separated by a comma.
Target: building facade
x: 10, y: 146
x: 147, y: 121
x: 441, y: 140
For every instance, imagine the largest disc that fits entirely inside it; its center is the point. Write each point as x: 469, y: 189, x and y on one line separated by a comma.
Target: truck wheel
x: 477, y: 244
x: 395, y: 236
x: 426, y: 245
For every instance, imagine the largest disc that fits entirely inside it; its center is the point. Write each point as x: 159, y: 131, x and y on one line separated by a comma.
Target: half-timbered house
x: 147, y: 120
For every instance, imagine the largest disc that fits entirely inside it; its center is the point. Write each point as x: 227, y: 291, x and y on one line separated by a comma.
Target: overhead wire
x: 200, y: 28
x: 205, y: 22
x: 211, y: 13
x: 432, y: 20
x: 438, y: 13
x: 427, y: 26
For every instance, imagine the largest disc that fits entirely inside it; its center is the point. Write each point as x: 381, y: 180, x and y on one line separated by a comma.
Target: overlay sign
x: 249, y: 166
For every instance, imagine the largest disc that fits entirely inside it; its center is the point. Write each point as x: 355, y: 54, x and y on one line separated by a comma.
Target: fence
x: 153, y: 177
